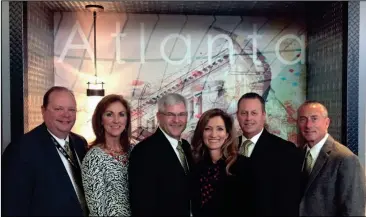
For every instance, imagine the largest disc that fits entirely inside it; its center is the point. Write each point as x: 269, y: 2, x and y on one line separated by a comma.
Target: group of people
x: 52, y: 171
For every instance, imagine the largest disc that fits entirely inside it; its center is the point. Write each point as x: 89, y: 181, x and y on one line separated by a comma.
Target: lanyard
x: 64, y: 153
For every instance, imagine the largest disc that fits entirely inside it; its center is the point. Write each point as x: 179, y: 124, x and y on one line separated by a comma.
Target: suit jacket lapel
x: 167, y: 146
x: 260, y: 145
x: 51, y: 154
x: 187, y: 151
x: 54, y: 161
x: 320, y: 161
x: 73, y: 143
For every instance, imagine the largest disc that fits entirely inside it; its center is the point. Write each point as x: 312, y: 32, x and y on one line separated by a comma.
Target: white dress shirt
x: 68, y: 166
x: 174, y: 143
x: 254, y: 140
x: 315, y: 150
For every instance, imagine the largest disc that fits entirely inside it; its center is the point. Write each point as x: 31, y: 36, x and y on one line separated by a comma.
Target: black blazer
x: 233, y: 193
x: 158, y: 184
x: 35, y: 182
x: 276, y: 165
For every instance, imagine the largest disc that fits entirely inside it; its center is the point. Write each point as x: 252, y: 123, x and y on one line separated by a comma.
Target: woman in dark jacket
x: 220, y: 178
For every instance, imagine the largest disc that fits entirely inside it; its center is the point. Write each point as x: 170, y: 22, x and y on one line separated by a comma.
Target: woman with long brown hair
x: 105, y: 166
x: 220, y: 185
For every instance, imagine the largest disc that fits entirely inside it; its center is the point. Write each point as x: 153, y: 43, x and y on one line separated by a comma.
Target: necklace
x: 114, y: 152
x: 118, y: 155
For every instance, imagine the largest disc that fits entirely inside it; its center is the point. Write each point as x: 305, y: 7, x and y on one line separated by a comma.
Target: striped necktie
x: 308, y: 162
x: 244, y: 148
x: 76, y: 176
x: 182, y: 157
x: 69, y: 152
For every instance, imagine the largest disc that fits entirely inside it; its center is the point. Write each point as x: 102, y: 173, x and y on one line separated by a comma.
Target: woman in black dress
x: 220, y: 178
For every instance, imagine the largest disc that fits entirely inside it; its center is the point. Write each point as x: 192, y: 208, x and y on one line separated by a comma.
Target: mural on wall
x: 211, y: 60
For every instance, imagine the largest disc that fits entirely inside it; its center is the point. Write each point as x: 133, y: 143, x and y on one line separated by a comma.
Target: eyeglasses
x: 173, y: 115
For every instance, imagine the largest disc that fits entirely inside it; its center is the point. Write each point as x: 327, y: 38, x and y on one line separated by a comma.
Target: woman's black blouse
x: 214, y: 193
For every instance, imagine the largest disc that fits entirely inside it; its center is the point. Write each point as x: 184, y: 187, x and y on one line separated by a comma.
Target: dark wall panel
x: 18, y: 67
x: 333, y: 65
x: 40, y: 74
x: 31, y: 63
x: 325, y: 59
x: 351, y: 88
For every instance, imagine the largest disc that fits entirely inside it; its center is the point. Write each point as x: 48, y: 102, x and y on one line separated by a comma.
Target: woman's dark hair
x: 230, y: 146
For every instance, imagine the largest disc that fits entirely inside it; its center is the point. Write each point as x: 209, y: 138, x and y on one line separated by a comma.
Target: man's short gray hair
x: 170, y: 99
x: 311, y: 102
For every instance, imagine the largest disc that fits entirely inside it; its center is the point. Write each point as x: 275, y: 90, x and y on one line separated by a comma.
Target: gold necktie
x: 244, y: 148
x: 308, y: 162
x: 182, y: 157
x: 69, y: 152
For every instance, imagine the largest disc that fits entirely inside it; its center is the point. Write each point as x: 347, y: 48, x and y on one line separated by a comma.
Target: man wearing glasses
x: 160, y: 164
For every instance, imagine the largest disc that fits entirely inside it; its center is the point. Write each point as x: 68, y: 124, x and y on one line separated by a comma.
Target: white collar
x: 172, y: 141
x: 60, y: 141
x: 315, y: 150
x: 254, y: 139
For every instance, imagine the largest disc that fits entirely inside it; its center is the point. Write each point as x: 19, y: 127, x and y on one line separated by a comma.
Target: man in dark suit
x: 276, y: 163
x: 334, y: 178
x: 41, y: 171
x: 160, y: 164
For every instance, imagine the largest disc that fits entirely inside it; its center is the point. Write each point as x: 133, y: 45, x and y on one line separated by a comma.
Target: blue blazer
x: 35, y: 182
